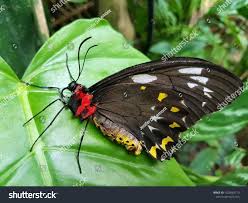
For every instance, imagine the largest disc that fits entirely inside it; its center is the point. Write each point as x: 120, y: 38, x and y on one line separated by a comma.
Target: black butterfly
x: 146, y: 106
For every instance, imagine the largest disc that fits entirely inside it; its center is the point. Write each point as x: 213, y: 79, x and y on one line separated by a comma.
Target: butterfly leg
x: 42, y: 111
x: 47, y: 127
x: 80, y: 144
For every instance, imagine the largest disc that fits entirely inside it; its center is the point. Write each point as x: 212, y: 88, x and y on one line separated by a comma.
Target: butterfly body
x: 80, y: 103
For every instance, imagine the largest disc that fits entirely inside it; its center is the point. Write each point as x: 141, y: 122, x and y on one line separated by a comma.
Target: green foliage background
x: 215, y: 156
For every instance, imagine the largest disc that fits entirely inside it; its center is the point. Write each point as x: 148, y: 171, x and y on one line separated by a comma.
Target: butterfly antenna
x: 47, y: 127
x: 84, y: 61
x: 41, y: 87
x: 80, y: 144
x: 66, y: 61
x: 42, y: 111
x: 79, y: 48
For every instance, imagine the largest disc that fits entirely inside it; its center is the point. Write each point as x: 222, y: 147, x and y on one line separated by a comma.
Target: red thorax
x: 86, y: 108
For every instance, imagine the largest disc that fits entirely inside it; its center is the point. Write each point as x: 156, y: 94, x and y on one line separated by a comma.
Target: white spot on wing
x: 200, y: 79
x: 156, y: 118
x: 144, y: 78
x: 207, y: 90
x: 183, y: 103
x: 153, y: 108
x: 191, y: 85
x: 203, y: 104
x: 208, y: 95
x: 184, y: 119
x: 151, y: 128
x: 196, y: 71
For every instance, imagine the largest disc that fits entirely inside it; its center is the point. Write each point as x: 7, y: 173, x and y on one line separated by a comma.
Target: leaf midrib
x: 33, y: 133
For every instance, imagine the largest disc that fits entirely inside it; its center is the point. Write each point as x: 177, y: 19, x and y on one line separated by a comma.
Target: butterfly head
x: 72, y: 86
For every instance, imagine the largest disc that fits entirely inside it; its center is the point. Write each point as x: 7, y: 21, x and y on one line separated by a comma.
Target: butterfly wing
x: 156, y: 101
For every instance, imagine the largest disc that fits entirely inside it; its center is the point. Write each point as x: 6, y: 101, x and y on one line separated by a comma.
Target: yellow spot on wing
x: 174, y: 109
x: 153, y: 151
x: 174, y: 125
x: 165, y: 141
x: 142, y: 87
x: 162, y: 96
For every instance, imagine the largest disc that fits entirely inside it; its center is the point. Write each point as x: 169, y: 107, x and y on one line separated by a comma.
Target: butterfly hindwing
x: 156, y: 101
x: 156, y: 115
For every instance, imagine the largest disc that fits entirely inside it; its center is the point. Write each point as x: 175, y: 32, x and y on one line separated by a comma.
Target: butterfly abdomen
x: 118, y: 134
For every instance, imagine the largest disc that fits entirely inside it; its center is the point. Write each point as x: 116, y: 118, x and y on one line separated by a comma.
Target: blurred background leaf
x: 204, y: 161
x: 19, y: 38
x: 236, y: 178
x: 78, y: 1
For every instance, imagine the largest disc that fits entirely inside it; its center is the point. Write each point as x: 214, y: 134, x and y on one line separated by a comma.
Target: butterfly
x: 147, y: 106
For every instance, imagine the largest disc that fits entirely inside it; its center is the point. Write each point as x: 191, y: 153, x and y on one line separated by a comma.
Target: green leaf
x: 163, y: 14
x: 19, y: 37
x: 52, y: 161
x: 243, y: 11
x: 192, y: 7
x: 234, y: 159
x: 243, y: 66
x: 236, y: 178
x: 162, y: 47
x: 204, y: 161
x: 78, y: 1
x: 224, y: 7
x: 199, y: 179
